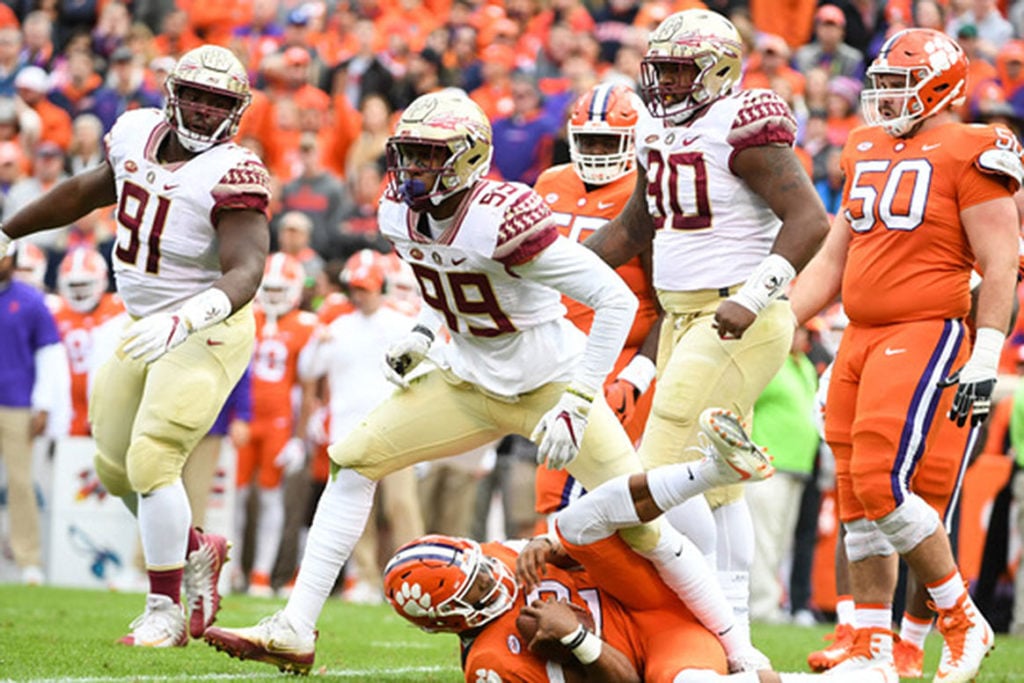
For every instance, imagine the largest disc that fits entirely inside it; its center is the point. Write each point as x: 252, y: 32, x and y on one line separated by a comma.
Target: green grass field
x: 51, y: 634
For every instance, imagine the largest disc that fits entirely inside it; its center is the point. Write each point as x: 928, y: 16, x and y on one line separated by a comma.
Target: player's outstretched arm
x: 629, y: 233
x: 65, y: 203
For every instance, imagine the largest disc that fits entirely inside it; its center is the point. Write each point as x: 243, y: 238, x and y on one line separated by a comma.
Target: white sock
x: 845, y: 609
x: 164, y: 520
x: 914, y: 630
x: 946, y: 592
x: 873, y: 616
x: 671, y: 485
x: 338, y: 523
x: 735, y: 555
x: 683, y: 569
x: 694, y: 520
x: 268, y: 529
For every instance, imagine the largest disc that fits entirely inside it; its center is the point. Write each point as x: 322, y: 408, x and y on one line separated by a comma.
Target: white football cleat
x: 967, y: 640
x: 737, y: 458
x: 273, y: 640
x: 161, y: 625
x: 871, y: 651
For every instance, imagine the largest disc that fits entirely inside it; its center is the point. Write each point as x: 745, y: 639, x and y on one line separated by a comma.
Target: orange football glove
x: 621, y: 397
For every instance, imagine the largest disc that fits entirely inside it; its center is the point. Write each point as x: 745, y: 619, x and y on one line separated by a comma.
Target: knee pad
x: 864, y: 539
x: 599, y: 514
x: 113, y: 476
x: 151, y: 467
x: 909, y: 524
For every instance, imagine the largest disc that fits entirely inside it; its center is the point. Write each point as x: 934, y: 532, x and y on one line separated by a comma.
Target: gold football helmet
x: 216, y: 71
x: 445, y: 135
x: 696, y: 40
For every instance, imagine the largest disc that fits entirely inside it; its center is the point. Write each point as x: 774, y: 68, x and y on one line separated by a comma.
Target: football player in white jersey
x: 491, y: 266
x: 192, y: 237
x: 732, y: 217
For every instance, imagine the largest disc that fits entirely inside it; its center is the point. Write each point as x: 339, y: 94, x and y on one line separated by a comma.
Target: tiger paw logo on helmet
x: 414, y: 601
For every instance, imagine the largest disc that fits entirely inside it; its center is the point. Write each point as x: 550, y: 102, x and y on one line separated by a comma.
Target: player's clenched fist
x: 406, y: 354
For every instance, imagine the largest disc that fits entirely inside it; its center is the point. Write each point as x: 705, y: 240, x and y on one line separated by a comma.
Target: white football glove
x: 406, y: 354
x: 292, y: 457
x: 5, y: 244
x: 559, y: 433
x: 153, y: 336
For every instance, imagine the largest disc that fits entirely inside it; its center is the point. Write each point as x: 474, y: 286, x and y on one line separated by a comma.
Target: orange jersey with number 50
x: 909, y: 257
x: 578, y: 213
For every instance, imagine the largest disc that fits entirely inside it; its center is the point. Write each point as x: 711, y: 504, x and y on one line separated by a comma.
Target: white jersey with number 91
x: 167, y: 248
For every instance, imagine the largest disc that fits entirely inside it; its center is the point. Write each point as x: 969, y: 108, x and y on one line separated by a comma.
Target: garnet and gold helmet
x: 211, y: 69
x: 696, y: 38
x: 444, y: 134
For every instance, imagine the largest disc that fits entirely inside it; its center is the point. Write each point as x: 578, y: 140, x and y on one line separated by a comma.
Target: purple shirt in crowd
x: 26, y: 325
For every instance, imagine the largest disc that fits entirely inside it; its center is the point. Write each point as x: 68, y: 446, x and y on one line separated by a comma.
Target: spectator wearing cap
x: 125, y: 89
x: 424, y: 75
x: 523, y: 141
x: 842, y: 108
x: 828, y: 49
x: 993, y: 29
x: 318, y: 193
x: 792, y: 19
x: 263, y: 35
x: 771, y: 61
x: 47, y: 171
x: 300, y: 32
x: 32, y: 85
x: 176, y: 37
x: 77, y: 93
x: 156, y: 75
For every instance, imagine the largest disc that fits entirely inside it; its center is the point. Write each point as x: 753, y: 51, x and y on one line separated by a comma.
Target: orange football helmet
x: 401, y: 281
x: 365, y: 269
x: 283, y: 280
x: 609, y: 111
x: 918, y: 73
x: 428, y: 579
x: 82, y: 279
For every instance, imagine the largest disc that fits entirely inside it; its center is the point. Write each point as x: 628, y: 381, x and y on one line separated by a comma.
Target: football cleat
x: 738, y: 458
x: 161, y: 625
x: 273, y: 641
x: 202, y: 573
x: 750, y: 659
x: 842, y: 641
x: 871, y: 651
x: 967, y: 640
x: 909, y: 659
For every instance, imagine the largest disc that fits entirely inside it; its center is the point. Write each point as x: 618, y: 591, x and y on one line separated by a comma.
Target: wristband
x: 204, y: 309
x: 767, y: 283
x: 425, y: 331
x: 988, y: 347
x: 584, y: 645
x: 639, y: 372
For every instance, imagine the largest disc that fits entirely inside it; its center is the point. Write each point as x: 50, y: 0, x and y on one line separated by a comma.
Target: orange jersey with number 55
x: 909, y: 257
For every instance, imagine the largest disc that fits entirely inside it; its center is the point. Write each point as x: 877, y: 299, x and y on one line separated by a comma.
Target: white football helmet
x: 281, y: 289
x: 29, y: 264
x: 444, y: 134
x: 82, y: 279
x: 697, y: 38
x: 210, y: 69
x: 611, y: 111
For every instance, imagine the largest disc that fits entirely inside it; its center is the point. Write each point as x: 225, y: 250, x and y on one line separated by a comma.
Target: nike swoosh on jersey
x: 928, y: 148
x: 894, y: 352
x: 605, y: 205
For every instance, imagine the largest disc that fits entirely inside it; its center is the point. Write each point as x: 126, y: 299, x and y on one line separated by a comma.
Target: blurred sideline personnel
x: 491, y: 267
x: 281, y: 406
x: 89, y: 320
x: 925, y: 198
x: 583, y: 196
x: 191, y: 240
x: 347, y: 353
x: 614, y: 621
x: 29, y: 351
x: 731, y: 216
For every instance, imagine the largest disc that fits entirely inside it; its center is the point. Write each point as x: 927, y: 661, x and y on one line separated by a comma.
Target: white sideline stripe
x: 341, y: 673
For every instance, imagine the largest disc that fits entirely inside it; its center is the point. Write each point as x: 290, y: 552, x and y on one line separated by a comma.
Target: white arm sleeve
x: 579, y: 273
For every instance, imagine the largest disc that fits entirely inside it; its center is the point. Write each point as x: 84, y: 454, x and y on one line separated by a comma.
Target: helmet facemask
x: 409, y: 157
x: 601, y: 168
x: 181, y: 102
